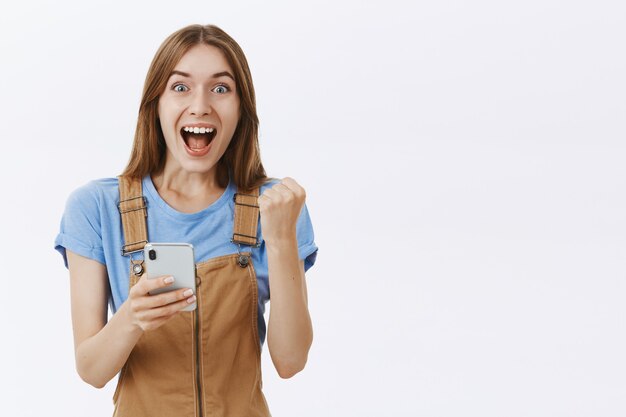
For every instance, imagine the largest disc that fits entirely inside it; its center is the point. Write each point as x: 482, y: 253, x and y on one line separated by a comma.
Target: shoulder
x: 83, y: 224
x: 98, y: 187
x: 94, y: 193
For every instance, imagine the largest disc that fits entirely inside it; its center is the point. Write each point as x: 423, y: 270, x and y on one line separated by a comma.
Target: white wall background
x: 464, y: 165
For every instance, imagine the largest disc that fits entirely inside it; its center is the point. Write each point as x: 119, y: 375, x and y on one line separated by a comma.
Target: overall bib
x: 202, y: 363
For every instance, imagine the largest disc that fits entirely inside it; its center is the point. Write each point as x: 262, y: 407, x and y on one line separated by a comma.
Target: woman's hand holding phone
x: 149, y: 312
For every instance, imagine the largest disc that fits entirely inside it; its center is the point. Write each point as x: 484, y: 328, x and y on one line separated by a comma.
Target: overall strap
x: 132, y: 208
x: 246, y: 218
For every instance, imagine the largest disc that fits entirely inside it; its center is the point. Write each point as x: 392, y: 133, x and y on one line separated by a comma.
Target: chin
x: 198, y: 167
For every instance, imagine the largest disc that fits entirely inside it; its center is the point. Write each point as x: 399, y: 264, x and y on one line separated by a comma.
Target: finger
x: 166, y: 298
x: 170, y: 309
x: 146, y: 284
x: 292, y: 184
x: 296, y: 188
x: 270, y: 194
x: 283, y: 190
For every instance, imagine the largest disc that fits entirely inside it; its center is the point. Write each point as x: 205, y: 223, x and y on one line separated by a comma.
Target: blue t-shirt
x: 92, y: 227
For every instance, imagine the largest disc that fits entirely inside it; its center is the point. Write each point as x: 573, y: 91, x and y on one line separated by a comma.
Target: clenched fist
x: 280, y: 207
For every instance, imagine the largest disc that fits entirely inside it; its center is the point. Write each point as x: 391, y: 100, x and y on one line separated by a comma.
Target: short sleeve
x: 307, y: 249
x: 80, y: 230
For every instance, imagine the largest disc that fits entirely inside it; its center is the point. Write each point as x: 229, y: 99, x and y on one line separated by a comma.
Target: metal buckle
x: 145, y: 204
x: 239, y: 242
x: 137, y: 266
x: 244, y: 204
x: 129, y: 252
x: 244, y: 258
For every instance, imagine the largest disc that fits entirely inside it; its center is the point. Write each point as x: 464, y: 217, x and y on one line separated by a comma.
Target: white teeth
x: 198, y: 129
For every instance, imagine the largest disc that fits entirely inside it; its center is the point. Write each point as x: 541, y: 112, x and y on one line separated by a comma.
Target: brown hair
x: 242, y: 158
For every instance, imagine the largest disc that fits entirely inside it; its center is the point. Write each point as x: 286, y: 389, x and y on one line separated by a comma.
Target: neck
x: 187, y: 191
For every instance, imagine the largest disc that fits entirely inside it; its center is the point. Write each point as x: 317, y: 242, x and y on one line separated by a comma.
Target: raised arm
x: 290, y: 332
x: 101, y: 348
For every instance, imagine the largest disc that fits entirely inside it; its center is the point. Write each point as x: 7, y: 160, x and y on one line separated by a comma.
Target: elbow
x: 89, y: 378
x: 98, y: 385
x: 89, y: 371
x: 289, y: 360
x: 287, y: 369
x: 92, y: 381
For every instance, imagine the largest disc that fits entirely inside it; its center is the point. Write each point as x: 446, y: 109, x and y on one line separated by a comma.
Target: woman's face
x: 199, y: 110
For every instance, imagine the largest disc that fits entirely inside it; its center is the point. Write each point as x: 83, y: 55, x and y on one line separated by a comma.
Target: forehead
x: 203, y: 61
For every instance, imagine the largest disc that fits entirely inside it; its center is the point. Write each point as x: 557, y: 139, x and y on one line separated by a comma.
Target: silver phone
x: 175, y: 259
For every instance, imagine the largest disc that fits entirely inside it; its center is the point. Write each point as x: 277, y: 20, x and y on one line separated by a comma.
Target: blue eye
x: 221, y: 89
x: 175, y: 88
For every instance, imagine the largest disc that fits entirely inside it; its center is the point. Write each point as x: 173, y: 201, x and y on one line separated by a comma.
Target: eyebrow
x: 216, y: 75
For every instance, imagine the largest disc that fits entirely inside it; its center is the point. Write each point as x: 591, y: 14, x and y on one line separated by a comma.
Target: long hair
x: 242, y: 159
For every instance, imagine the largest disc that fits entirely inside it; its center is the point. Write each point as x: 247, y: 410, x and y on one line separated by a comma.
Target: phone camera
x: 152, y: 254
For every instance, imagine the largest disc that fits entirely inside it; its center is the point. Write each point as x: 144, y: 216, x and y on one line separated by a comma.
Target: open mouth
x: 198, y: 139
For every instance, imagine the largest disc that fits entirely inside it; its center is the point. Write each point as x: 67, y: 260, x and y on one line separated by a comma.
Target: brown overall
x: 205, y: 362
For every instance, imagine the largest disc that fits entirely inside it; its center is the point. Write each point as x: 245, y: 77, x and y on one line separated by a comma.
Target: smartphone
x: 175, y: 259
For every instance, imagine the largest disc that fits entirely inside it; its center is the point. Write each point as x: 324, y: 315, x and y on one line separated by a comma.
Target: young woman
x: 194, y: 176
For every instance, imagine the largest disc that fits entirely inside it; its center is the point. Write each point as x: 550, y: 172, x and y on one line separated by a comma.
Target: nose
x: 200, y: 103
